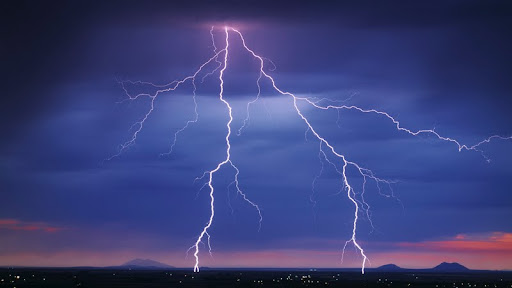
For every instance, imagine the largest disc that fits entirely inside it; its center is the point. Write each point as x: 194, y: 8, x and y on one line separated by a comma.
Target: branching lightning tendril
x: 327, y: 152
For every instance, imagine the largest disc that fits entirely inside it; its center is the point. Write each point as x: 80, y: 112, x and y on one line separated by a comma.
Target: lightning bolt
x: 327, y: 152
x: 228, y: 155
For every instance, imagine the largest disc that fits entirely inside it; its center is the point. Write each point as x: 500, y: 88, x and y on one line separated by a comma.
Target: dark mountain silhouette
x: 450, y: 267
x: 389, y: 268
x: 144, y: 264
x: 443, y: 268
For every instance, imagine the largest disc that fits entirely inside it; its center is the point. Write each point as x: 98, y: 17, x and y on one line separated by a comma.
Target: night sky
x: 430, y: 64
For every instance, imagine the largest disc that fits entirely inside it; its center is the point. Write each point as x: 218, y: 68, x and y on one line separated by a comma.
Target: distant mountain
x: 145, y: 263
x: 389, y: 268
x: 450, y: 267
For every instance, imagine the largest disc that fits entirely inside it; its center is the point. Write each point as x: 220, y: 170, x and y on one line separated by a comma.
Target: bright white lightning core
x: 327, y: 152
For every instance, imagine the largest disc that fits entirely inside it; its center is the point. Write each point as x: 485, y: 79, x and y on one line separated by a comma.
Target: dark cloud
x: 46, y: 43
x: 429, y: 64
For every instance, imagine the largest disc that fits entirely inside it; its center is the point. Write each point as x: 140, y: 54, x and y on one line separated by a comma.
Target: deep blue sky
x: 438, y: 64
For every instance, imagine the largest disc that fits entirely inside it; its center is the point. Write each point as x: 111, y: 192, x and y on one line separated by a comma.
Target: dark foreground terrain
x: 90, y: 277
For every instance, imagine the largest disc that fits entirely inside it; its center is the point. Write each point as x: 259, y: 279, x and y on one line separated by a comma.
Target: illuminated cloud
x: 494, y: 242
x: 18, y: 225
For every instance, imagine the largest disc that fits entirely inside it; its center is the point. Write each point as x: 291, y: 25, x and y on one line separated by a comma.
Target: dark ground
x: 86, y: 277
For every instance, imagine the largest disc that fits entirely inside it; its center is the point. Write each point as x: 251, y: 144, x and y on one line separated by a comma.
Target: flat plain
x: 95, y: 278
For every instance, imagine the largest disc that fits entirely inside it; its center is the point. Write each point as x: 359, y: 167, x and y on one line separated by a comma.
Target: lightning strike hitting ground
x: 327, y: 151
